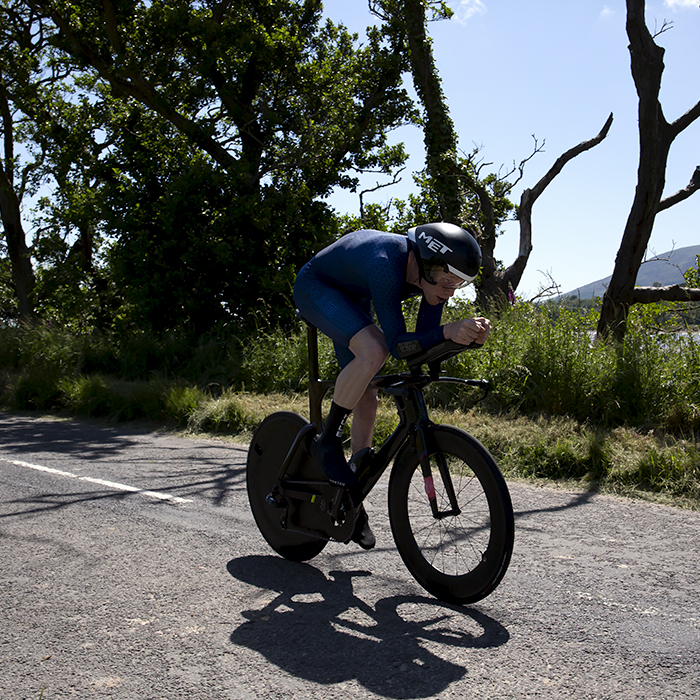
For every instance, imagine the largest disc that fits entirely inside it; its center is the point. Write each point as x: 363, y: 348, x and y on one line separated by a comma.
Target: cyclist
x: 336, y: 290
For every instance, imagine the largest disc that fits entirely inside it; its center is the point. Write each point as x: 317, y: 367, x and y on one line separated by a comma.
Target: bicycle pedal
x: 339, y: 507
x: 275, y: 500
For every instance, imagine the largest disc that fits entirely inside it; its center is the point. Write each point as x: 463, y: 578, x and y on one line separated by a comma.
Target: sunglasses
x: 443, y: 282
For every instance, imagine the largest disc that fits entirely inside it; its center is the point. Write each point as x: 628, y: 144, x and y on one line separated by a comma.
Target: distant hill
x: 664, y: 269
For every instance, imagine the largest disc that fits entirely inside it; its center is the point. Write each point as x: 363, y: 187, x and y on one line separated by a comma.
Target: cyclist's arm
x: 466, y: 333
x: 386, y: 295
x: 398, y: 338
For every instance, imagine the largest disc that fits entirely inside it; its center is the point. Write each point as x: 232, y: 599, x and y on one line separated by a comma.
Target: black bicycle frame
x: 407, y: 392
x: 317, y: 387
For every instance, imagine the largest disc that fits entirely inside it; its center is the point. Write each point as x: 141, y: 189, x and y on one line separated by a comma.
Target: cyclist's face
x: 440, y: 276
x: 436, y: 293
x: 446, y: 280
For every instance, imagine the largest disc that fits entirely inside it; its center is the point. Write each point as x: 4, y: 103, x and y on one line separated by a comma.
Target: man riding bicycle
x: 336, y: 290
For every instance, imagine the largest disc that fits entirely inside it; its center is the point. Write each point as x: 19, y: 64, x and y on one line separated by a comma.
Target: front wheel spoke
x: 456, y: 544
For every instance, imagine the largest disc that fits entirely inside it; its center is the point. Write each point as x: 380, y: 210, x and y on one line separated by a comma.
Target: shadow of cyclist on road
x: 316, y: 628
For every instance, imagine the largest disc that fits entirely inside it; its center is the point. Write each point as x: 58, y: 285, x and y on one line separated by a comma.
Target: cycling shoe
x: 332, y: 460
x: 362, y: 534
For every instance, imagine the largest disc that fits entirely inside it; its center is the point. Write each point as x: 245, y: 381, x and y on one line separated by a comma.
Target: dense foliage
x: 187, y: 147
x: 539, y: 363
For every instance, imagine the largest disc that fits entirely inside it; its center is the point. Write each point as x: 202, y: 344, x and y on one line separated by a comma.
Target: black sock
x: 333, y: 429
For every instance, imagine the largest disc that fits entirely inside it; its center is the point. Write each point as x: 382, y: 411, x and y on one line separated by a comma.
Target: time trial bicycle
x: 449, y: 507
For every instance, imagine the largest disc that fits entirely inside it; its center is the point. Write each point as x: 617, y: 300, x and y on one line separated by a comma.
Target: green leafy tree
x: 48, y: 131
x: 73, y: 285
x: 281, y: 108
x: 180, y: 256
x: 21, y: 52
x: 692, y: 274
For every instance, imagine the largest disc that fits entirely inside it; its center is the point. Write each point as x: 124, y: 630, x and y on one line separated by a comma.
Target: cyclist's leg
x: 370, y: 352
x: 363, y: 417
x: 360, y: 345
x: 344, y: 319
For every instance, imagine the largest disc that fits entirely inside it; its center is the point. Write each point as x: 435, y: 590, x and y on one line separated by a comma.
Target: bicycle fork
x: 421, y: 443
x: 412, y: 409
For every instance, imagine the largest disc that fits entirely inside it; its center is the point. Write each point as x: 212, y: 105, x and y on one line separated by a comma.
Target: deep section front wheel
x: 460, y: 555
x: 267, y: 451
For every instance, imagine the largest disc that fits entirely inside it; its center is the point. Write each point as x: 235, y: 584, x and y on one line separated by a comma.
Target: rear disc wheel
x: 268, y: 449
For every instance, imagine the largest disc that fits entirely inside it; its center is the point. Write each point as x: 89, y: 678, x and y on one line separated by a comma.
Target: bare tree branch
x: 529, y: 196
x: 569, y: 155
x: 539, y: 148
x: 685, y: 120
x: 679, y: 196
x: 377, y: 187
x: 673, y: 292
x: 665, y: 26
x: 546, y: 290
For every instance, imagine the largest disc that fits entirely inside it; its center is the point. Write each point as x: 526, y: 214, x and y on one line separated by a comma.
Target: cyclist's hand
x: 468, y: 331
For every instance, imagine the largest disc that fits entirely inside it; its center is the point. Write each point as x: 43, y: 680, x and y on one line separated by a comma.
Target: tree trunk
x: 20, y: 260
x: 439, y: 133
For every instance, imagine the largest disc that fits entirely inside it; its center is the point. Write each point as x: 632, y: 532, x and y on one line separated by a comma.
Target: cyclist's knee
x: 370, y: 347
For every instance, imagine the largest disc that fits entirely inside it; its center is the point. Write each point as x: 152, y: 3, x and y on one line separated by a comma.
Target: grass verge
x: 556, y: 450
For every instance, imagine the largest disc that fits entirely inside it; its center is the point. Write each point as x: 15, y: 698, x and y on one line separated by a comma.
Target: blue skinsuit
x: 336, y: 288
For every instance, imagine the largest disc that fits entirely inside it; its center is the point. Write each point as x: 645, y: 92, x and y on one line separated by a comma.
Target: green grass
x: 622, y: 419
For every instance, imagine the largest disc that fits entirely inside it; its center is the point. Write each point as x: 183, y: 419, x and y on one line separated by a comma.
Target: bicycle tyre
x: 267, y: 451
x: 459, y: 558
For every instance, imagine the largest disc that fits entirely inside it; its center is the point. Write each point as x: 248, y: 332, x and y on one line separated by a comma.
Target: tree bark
x: 18, y: 252
x: 20, y: 260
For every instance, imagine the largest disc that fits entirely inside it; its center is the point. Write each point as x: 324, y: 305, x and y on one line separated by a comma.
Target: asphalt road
x: 132, y: 569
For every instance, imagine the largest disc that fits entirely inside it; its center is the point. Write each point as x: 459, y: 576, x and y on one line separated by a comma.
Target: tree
x: 48, y: 132
x: 21, y: 48
x: 463, y: 196
x: 281, y: 105
x: 260, y: 86
x: 656, y: 136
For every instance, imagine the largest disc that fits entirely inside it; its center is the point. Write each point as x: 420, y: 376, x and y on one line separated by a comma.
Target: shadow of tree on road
x: 577, y: 500
x: 180, y: 468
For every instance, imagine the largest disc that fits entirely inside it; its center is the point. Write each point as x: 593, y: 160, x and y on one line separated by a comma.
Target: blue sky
x: 556, y: 70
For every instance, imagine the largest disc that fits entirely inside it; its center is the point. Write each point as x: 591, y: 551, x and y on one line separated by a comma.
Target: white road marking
x: 101, y: 482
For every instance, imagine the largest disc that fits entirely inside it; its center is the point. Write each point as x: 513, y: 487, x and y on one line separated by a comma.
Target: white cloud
x: 466, y: 9
x: 680, y: 4
x: 607, y: 12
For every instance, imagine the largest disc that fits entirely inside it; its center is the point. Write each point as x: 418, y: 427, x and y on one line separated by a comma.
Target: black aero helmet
x: 445, y: 248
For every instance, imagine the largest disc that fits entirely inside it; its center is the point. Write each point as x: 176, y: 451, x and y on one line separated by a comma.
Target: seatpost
x: 317, y: 387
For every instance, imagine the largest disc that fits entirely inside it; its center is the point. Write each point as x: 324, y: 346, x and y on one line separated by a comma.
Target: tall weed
x: 553, y: 366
